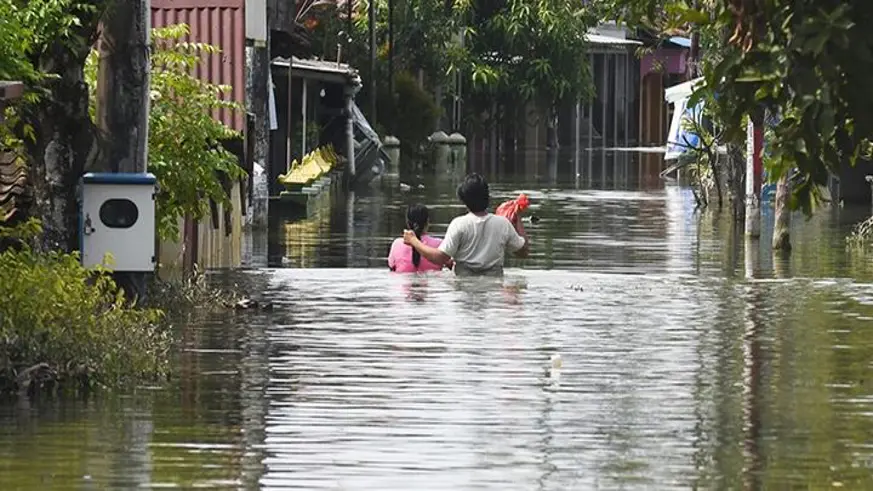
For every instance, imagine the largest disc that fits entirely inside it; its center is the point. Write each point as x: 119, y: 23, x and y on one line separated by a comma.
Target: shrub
x: 180, y: 296
x: 64, y: 325
x: 415, y: 114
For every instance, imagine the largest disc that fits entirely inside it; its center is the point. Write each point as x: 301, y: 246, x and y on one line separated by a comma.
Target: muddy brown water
x: 689, y: 360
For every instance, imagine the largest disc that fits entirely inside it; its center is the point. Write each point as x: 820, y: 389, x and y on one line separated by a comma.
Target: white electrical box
x: 117, y: 217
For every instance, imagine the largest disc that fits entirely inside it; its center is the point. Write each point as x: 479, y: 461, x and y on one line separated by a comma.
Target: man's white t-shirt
x: 478, y: 243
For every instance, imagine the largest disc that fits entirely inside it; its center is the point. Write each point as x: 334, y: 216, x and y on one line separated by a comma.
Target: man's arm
x: 432, y: 254
x: 524, y: 250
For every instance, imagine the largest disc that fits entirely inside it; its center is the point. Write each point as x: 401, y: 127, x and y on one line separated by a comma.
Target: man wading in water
x: 478, y: 240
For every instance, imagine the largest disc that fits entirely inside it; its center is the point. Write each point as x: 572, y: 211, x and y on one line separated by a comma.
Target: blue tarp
x: 679, y: 138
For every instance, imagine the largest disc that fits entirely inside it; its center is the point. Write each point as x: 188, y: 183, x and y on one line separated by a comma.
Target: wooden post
x: 753, y: 179
x: 288, y: 131
x: 604, y: 97
x: 303, y: 116
x: 578, y: 128
x: 372, y: 28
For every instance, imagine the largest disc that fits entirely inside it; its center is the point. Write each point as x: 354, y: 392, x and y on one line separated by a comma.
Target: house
x: 663, y: 65
x: 608, y: 121
x: 322, y: 93
x: 217, y: 241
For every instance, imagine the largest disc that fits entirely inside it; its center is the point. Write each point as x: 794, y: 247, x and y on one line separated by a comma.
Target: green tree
x: 806, y: 61
x: 523, y: 51
x: 185, y: 152
x: 45, y: 43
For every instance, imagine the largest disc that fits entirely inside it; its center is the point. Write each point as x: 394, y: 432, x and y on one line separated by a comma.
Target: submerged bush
x: 861, y: 237
x: 191, y: 293
x: 66, y: 326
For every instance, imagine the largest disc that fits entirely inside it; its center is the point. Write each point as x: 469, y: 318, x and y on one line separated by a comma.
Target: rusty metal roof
x: 220, y: 23
x: 330, y: 71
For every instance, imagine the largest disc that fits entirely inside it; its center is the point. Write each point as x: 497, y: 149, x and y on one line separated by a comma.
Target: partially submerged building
x: 314, y: 107
x: 255, y: 38
x: 627, y: 111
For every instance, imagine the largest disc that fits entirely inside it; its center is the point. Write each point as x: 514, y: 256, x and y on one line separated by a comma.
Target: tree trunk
x: 123, y: 87
x: 552, y: 129
x: 781, y: 237
x: 715, y: 168
x: 736, y: 166
x: 64, y: 138
x: 553, y: 142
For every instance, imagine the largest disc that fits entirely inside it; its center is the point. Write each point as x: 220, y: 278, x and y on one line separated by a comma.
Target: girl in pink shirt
x: 403, y: 258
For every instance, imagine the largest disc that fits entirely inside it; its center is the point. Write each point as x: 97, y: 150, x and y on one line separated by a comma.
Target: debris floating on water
x: 555, y: 368
x: 248, y: 304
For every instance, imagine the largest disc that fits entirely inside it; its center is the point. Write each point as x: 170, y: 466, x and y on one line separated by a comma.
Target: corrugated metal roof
x: 220, y: 23
x: 611, y: 41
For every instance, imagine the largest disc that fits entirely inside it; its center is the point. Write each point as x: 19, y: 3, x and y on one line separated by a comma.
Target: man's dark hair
x: 473, y: 192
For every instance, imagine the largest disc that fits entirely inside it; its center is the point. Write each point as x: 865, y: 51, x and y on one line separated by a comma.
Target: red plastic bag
x: 513, y: 208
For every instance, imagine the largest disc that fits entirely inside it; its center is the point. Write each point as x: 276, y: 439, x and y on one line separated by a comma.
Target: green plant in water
x: 193, y: 292
x: 860, y: 238
x: 66, y: 326
x: 414, y: 116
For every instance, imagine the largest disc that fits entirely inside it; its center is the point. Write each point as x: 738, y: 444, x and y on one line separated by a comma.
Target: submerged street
x: 687, y: 360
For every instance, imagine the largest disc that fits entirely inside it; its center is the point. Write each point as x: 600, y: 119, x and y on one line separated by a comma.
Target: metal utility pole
x: 391, y: 59
x: 257, y: 90
x: 372, y: 26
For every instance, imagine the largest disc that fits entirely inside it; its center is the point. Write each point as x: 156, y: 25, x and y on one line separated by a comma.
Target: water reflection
x: 691, y: 358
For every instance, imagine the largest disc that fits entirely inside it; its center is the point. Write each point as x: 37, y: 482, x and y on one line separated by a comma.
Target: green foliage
x: 414, y: 116
x: 806, y: 61
x: 71, y: 322
x: 184, y: 150
x: 30, y: 27
x: 16, y: 41
x: 524, y: 50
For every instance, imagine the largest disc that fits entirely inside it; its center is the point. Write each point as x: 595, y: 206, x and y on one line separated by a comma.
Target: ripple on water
x: 675, y: 374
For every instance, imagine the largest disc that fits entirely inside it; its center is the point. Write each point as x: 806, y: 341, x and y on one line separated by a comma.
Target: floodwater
x: 689, y: 359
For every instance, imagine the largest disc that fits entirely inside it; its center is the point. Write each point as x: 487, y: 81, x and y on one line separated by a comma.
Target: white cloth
x: 478, y: 243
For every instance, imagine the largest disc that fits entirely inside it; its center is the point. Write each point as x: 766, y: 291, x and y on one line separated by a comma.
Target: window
x: 118, y: 213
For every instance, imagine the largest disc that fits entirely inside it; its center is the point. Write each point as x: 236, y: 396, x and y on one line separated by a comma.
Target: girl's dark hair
x: 417, y: 217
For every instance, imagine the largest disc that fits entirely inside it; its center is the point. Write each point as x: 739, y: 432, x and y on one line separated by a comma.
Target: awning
x: 681, y: 91
x: 611, y: 41
x: 679, y: 139
x: 680, y: 41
